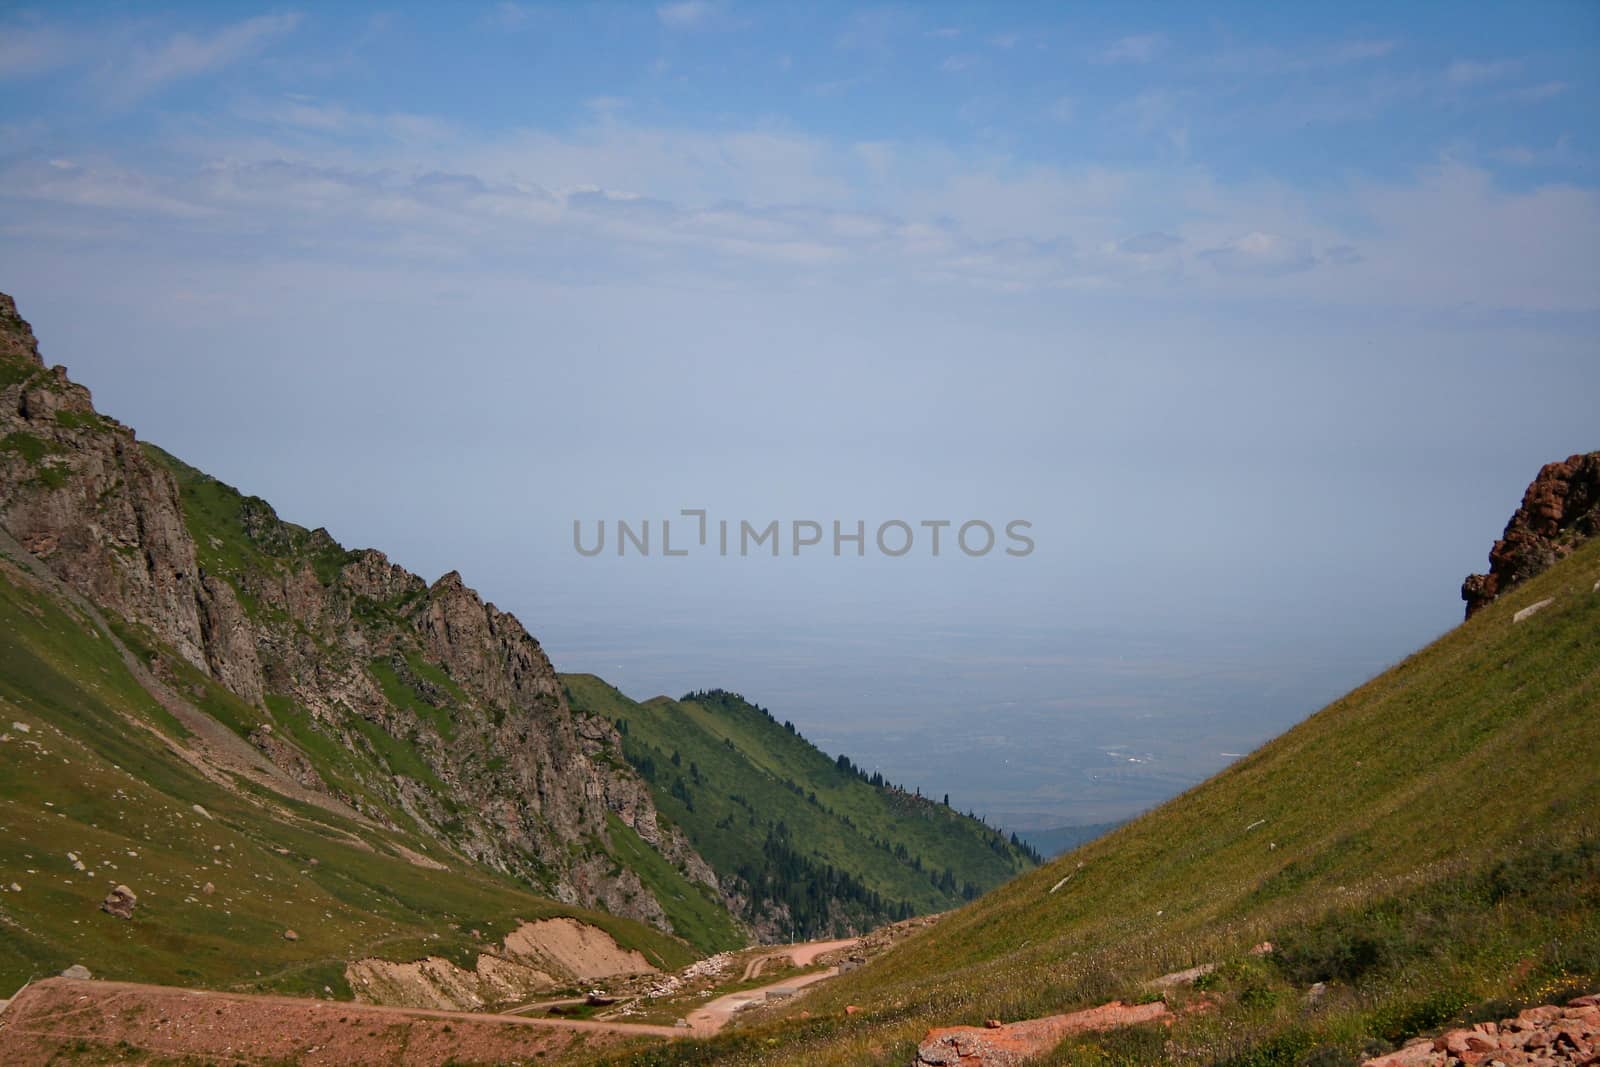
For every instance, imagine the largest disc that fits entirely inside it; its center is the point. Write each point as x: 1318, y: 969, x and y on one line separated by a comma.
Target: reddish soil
x: 99, y: 1021
x: 1013, y: 1043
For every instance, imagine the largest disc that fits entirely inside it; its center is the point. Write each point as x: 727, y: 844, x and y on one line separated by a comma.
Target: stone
x: 1410, y: 1056
x: 77, y: 972
x: 120, y: 902
x: 290, y: 935
x: 208, y: 889
x: 1533, y: 609
x: 1544, y: 1035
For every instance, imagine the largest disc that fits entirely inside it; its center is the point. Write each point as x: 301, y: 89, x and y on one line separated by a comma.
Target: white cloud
x: 1139, y: 48
x: 1533, y: 94
x: 321, y: 182
x: 1261, y: 254
x: 1453, y: 236
x: 187, y: 55
x: 881, y: 29
x: 1357, y: 51
x: 685, y: 14
x: 1149, y: 244
x: 1475, y: 72
x: 1268, y: 61
x: 510, y: 16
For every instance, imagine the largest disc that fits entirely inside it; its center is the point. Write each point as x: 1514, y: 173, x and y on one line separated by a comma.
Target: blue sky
x: 1262, y: 315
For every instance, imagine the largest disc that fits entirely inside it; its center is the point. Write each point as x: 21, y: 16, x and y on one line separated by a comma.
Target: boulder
x: 120, y: 902
x: 77, y: 972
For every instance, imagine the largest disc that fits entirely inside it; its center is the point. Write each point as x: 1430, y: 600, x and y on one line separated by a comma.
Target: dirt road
x: 714, y: 1015
x: 801, y: 955
x: 251, y: 1029
x: 248, y: 1029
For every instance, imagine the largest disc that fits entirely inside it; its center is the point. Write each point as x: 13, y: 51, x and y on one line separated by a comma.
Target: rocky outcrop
x: 1560, y: 510
x: 534, y: 958
x: 345, y: 645
x: 1546, y: 1035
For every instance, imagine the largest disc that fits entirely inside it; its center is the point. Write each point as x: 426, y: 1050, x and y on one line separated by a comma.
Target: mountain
x: 401, y: 750
x: 1423, y: 850
x: 335, y: 673
x: 806, y: 846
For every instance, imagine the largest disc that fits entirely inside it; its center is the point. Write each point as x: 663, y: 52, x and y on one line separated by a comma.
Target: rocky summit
x: 1560, y: 510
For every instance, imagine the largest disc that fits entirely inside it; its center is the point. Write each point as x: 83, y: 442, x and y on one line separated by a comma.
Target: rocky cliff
x: 1560, y: 510
x: 410, y: 703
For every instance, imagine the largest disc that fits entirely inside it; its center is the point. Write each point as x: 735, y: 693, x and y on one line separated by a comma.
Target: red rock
x: 1560, y: 510
x: 851, y: 1009
x: 1538, y: 1016
x: 992, y: 1024
x: 1421, y: 1055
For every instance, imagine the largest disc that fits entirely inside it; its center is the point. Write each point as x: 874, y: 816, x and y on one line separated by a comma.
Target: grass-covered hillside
x: 1428, y: 847
x: 796, y: 834
x: 95, y: 793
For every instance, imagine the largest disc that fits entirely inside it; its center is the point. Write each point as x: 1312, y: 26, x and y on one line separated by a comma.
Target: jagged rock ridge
x: 458, y: 722
x: 1560, y: 510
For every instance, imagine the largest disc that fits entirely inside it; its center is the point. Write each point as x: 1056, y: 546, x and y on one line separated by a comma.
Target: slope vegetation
x: 328, y: 675
x: 101, y: 785
x: 805, y: 845
x: 1425, y: 848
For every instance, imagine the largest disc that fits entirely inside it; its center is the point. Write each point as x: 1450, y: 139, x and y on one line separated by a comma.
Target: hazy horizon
x: 1262, y: 319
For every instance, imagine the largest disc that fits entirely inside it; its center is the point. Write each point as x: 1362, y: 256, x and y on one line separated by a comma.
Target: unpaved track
x: 714, y: 1015
x: 250, y: 1029
x: 801, y: 955
x: 247, y: 1029
x: 105, y: 990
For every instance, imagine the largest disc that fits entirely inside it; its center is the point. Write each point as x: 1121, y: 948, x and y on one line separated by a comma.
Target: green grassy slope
x: 1426, y: 845
x: 766, y: 807
x: 81, y: 779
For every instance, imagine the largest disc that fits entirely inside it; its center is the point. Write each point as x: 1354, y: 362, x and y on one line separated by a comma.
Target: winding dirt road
x: 247, y: 1029
x: 714, y: 1015
x: 802, y: 954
